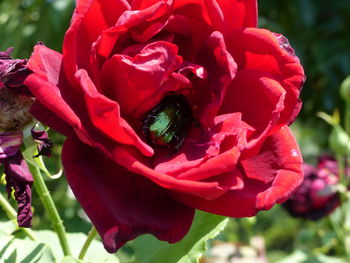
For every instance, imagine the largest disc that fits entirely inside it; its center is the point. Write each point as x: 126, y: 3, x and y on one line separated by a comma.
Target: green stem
x: 12, y: 214
x: 347, y: 117
x: 88, y: 241
x: 44, y: 194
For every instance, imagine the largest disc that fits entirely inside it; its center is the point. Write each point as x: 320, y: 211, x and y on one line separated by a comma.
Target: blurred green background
x: 319, y: 32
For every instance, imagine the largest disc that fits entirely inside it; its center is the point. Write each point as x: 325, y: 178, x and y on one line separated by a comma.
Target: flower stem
x: 88, y: 241
x: 12, y: 214
x: 44, y: 194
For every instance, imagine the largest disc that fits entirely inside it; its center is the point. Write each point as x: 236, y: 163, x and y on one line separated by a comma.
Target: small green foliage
x: 302, y: 257
x: 15, y: 247
x: 205, y: 226
x: 24, y: 250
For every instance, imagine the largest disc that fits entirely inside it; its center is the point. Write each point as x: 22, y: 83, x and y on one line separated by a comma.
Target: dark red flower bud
x: 317, y: 196
x: 13, y: 72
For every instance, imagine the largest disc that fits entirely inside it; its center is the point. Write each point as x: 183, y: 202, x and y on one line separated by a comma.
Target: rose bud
x: 317, y: 195
x: 170, y: 106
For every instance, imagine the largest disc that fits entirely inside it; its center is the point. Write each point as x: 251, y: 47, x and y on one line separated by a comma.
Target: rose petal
x: 44, y: 143
x: 48, y: 85
x: 13, y: 72
x: 206, y: 16
x: 143, y: 23
x: 201, y: 21
x: 253, y: 87
x: 6, y: 54
x: 90, y: 18
x: 105, y: 114
x: 46, y: 65
x: 149, y: 70
x: 286, y: 151
x: 20, y: 179
x: 238, y: 14
x: 284, y: 165
x: 10, y: 142
x: 121, y: 205
x: 214, y: 152
x: 134, y: 162
x: 235, y: 203
x: 210, y: 11
x: 207, y: 95
x: 149, y: 27
x: 50, y: 119
x: 260, y: 49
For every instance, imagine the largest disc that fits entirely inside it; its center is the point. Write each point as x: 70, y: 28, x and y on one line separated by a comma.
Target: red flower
x: 120, y: 60
x: 317, y: 196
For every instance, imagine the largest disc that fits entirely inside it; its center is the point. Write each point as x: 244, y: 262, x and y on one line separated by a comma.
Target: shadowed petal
x: 20, y: 179
x: 105, y: 114
x: 121, y: 205
x: 208, y: 94
x: 44, y: 143
x: 10, y: 143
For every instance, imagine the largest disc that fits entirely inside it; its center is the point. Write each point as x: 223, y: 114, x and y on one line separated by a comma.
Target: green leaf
x: 7, y: 227
x: 339, y: 140
x: 24, y: 250
x: 205, y: 226
x: 69, y: 259
x: 95, y: 254
x: 13, y: 248
x: 299, y: 256
x: 12, y: 258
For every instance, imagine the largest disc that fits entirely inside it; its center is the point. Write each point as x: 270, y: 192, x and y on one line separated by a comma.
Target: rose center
x: 167, y: 123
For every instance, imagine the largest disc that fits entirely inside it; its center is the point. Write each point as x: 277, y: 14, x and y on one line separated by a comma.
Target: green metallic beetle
x: 166, y: 124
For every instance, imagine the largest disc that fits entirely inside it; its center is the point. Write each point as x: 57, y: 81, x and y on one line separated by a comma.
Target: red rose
x: 318, y: 195
x: 227, y: 88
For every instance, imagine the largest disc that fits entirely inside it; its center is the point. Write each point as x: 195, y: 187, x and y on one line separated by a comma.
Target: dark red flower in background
x: 317, y: 195
x: 225, y: 89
